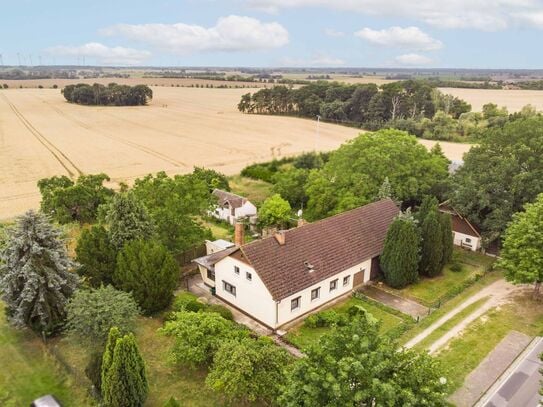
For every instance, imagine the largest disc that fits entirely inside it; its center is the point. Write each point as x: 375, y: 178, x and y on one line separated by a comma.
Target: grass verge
x: 255, y: 191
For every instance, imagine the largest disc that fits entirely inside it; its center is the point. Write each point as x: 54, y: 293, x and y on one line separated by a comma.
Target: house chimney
x: 239, y: 232
x: 301, y: 222
x: 280, y: 237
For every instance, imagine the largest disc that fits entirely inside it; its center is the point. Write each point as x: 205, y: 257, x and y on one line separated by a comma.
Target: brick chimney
x: 280, y: 237
x: 239, y: 234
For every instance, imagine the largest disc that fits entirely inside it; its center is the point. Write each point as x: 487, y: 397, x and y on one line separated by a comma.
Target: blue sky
x: 266, y: 33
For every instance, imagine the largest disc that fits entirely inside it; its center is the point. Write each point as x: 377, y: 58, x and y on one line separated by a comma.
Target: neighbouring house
x: 231, y: 207
x: 466, y: 234
x: 213, y: 246
x: 283, y: 277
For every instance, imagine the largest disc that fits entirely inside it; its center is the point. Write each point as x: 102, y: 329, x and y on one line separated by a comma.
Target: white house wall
x: 247, y: 209
x: 251, y: 297
x: 203, y: 273
x: 284, y: 312
x: 460, y: 240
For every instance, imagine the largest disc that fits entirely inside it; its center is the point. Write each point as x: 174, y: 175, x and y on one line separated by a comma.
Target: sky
x: 275, y: 33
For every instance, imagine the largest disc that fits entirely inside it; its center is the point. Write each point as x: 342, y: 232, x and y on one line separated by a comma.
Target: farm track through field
x: 18, y: 196
x: 59, y: 155
x: 132, y: 144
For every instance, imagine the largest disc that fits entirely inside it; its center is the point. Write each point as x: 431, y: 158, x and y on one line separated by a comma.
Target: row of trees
x: 417, y: 245
x: 366, y: 105
x: 110, y: 95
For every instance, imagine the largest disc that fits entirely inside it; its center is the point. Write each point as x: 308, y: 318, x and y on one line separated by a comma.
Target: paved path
x: 498, y: 293
x: 404, y: 305
x: 520, y: 384
x: 490, y: 369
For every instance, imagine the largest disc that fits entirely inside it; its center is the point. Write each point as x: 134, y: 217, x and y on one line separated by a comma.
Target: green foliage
x: 96, y: 256
x: 110, y: 95
x: 401, y: 253
x: 221, y: 310
x: 325, y: 319
x: 198, y: 335
x: 67, y: 201
x: 212, y: 178
x: 275, y: 211
x: 522, y: 251
x: 186, y: 301
x: 354, y: 365
x: 500, y: 175
x: 248, y: 370
x: 36, y: 281
x: 93, y: 371
x: 431, y: 260
x: 149, y: 272
x: 290, y: 185
x: 385, y: 190
x: 124, y: 381
x: 92, y: 313
x: 172, y: 402
x: 174, y: 204
x: 128, y: 220
x: 447, y: 236
x: 355, y: 172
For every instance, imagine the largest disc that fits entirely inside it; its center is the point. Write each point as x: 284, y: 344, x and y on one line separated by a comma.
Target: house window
x: 468, y: 240
x: 295, y: 303
x: 249, y: 276
x: 236, y: 270
x: 315, y: 293
x: 346, y: 280
x: 211, y: 275
x: 229, y: 288
x: 333, y: 285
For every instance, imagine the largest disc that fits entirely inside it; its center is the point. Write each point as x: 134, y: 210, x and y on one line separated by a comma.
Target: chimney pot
x: 239, y: 234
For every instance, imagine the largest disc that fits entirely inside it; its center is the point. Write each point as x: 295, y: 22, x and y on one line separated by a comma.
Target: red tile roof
x: 459, y: 223
x: 330, y: 246
x: 225, y: 197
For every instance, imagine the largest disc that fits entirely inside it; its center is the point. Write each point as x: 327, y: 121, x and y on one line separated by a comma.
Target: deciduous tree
x: 275, y: 211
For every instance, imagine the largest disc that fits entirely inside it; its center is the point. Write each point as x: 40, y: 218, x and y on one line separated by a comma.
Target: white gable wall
x: 247, y: 209
x: 252, y: 296
x: 463, y: 240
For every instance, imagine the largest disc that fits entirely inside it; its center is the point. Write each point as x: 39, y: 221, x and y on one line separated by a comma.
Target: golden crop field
x: 42, y: 135
x: 513, y: 99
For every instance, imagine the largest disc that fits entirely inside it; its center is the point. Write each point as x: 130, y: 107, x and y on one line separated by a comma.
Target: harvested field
x: 514, y: 100
x: 42, y: 135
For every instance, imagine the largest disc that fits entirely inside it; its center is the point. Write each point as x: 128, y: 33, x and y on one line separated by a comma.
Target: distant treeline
x: 365, y: 105
x: 464, y: 84
x: 530, y: 85
x: 110, y: 95
x: 19, y: 74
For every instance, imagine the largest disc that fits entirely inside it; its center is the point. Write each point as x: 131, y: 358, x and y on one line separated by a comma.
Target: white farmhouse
x: 466, y: 235
x: 283, y: 277
x: 231, y: 207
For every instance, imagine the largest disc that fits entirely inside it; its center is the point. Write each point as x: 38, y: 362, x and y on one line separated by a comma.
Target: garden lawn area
x: 218, y: 230
x: 449, y: 305
x: 302, y: 336
x: 28, y: 372
x: 429, y: 291
x: 255, y: 191
x: 464, y: 353
x: 165, y: 380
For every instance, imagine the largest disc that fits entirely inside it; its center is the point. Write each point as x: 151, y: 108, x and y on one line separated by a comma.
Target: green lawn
x: 28, y: 372
x: 448, y: 306
x: 428, y: 291
x: 464, y: 353
x: 302, y: 335
x: 255, y: 191
x: 219, y: 230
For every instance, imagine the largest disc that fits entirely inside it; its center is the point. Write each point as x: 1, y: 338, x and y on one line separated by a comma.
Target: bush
x: 456, y: 267
x: 222, y: 311
x: 186, y: 301
x: 325, y: 319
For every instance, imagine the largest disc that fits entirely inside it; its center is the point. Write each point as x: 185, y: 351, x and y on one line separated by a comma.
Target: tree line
x: 110, y: 95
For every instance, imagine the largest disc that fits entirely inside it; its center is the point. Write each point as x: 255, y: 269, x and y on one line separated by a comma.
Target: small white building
x: 466, y: 235
x: 283, y: 277
x: 231, y: 207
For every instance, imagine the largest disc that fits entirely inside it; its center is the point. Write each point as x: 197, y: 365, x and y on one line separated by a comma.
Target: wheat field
x: 42, y: 135
x: 513, y: 99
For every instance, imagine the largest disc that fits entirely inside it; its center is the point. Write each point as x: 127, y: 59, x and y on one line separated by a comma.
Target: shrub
x: 186, y: 301
x: 222, y: 311
x: 456, y: 267
x: 325, y: 319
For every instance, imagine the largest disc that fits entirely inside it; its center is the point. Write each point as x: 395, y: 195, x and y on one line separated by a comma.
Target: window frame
x: 210, y: 275
x: 297, y: 301
x: 335, y: 283
x: 318, y: 291
x: 236, y: 270
x: 249, y: 276
x: 346, y: 280
x: 232, y: 290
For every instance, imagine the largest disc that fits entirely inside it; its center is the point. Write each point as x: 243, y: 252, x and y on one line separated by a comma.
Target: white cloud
x: 487, y: 15
x: 413, y: 60
x: 398, y: 37
x: 232, y: 33
x: 102, y: 53
x: 317, y: 60
x: 532, y: 19
x: 334, y: 33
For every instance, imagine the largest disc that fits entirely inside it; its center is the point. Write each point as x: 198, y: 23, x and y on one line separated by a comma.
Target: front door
x: 358, y: 278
